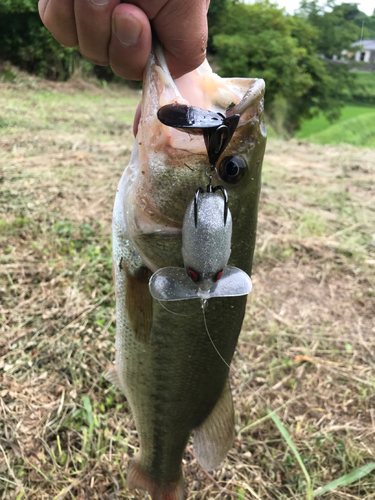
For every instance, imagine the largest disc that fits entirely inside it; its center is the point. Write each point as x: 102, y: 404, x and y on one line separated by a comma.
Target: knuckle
x: 98, y: 62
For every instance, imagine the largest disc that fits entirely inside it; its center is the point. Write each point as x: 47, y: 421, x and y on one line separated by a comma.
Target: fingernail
x: 127, y: 28
x: 100, y: 2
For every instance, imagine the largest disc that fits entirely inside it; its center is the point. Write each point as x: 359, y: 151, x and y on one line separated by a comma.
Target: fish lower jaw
x: 143, y: 242
x: 145, y: 219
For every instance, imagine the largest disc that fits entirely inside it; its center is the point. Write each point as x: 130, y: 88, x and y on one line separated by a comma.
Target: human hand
x: 109, y: 32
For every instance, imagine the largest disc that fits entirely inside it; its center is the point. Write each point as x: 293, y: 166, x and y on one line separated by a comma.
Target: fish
x: 165, y: 363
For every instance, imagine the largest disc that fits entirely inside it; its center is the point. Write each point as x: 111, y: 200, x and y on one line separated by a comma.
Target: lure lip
x: 217, y: 129
x: 182, y: 116
x: 173, y: 283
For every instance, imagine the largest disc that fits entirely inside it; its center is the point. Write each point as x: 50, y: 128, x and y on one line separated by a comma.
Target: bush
x: 18, y: 6
x: 26, y: 43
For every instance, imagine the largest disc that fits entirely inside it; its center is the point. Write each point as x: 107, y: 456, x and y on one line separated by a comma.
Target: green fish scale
x: 188, y: 377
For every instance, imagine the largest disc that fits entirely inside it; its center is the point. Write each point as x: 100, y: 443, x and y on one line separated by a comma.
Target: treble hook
x: 210, y: 189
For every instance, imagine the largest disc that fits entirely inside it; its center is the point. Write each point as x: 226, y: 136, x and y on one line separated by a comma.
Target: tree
x: 18, y: 6
x: 216, y: 8
x: 261, y: 40
x: 368, y: 23
x: 255, y: 40
x: 334, y: 23
x: 331, y: 83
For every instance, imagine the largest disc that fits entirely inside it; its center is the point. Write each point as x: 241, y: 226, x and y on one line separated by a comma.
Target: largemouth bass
x: 165, y: 364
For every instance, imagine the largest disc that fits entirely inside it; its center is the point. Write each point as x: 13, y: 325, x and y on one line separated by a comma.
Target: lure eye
x: 232, y: 169
x: 193, y: 275
x: 218, y: 275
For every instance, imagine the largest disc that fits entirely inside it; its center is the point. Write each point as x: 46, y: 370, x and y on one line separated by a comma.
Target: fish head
x: 167, y: 164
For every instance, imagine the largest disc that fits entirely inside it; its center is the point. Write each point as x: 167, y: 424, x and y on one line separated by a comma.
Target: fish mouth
x: 200, y: 88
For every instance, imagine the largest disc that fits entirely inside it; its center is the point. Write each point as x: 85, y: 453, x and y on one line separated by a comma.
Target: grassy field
x: 365, y: 86
x: 320, y: 123
x: 355, y: 126
x: 307, y: 349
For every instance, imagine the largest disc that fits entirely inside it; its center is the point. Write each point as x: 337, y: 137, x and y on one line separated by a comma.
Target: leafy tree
x: 18, y: 6
x: 336, y: 28
x: 217, y: 7
x: 261, y: 40
x: 26, y: 43
x: 255, y: 40
x: 368, y: 22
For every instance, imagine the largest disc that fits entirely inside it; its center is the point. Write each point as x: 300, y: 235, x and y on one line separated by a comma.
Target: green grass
x: 355, y: 475
x: 320, y: 123
x: 356, y: 124
x: 45, y: 110
x: 359, y: 131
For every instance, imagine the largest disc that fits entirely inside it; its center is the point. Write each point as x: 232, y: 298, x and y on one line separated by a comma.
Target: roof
x: 367, y: 44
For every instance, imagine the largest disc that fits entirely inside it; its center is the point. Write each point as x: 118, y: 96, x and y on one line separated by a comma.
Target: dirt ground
x: 307, y: 349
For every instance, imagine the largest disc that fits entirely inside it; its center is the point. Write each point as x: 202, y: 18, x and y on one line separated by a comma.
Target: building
x: 366, y: 52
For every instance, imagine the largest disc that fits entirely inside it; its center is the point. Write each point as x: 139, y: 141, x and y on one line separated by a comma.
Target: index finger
x: 182, y: 29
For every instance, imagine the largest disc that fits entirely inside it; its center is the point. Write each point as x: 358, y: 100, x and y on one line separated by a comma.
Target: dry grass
x: 307, y: 346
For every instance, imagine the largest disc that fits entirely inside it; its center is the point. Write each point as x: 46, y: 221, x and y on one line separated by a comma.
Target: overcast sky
x: 366, y: 6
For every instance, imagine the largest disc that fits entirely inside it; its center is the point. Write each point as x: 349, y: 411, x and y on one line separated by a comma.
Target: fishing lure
x: 217, y: 129
x: 206, y: 246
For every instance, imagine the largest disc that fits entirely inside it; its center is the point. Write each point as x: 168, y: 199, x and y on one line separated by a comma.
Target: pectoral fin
x: 214, y: 437
x: 112, y: 376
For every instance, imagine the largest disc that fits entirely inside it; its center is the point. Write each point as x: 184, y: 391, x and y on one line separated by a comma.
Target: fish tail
x: 137, y: 478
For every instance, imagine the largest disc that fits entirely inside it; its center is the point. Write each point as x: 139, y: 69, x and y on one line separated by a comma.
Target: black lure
x: 217, y: 129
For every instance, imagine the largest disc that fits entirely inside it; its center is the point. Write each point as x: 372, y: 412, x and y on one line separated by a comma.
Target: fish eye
x: 232, y: 169
x: 193, y: 275
x: 218, y: 275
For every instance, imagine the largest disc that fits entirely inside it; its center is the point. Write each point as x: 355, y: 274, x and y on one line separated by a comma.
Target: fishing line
x: 268, y: 404
x: 204, y: 303
x: 212, y: 342
x: 176, y: 313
